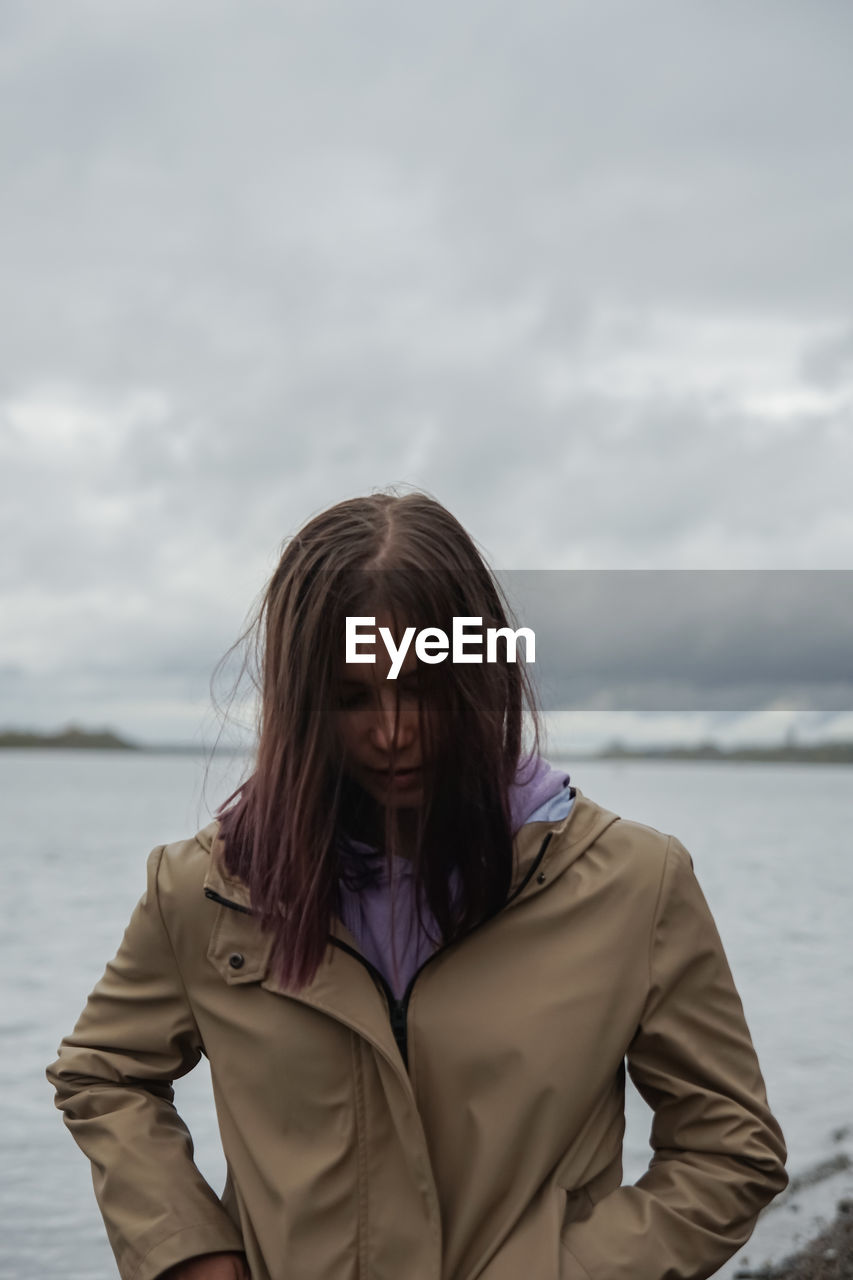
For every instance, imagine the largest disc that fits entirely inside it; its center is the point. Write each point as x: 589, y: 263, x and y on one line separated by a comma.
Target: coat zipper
x: 397, y: 1009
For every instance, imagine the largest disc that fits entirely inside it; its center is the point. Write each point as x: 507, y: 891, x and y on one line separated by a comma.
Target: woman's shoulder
x: 181, y: 870
x: 628, y: 847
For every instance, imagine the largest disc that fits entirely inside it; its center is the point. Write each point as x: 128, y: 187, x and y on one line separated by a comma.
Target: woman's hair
x: 286, y: 828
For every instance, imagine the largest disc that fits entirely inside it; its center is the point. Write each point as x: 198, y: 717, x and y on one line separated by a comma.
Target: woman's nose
x: 390, y: 728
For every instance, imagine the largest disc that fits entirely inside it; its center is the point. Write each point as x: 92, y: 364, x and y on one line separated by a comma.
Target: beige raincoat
x: 493, y: 1152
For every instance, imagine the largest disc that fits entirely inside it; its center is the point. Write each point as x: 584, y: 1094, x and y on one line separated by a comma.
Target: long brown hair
x: 284, y: 829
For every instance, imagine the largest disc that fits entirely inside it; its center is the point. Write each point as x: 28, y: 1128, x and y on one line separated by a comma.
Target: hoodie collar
x: 536, y: 785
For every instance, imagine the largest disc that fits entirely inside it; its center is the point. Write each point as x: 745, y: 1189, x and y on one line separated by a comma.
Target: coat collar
x: 548, y: 848
x: 566, y: 841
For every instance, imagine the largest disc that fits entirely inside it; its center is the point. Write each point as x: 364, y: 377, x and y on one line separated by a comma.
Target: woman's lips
x: 398, y: 777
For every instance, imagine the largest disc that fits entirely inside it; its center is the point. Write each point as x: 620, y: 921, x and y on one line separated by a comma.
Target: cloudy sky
x: 581, y: 270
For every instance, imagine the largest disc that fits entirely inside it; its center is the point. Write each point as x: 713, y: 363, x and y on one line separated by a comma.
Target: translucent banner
x: 681, y: 640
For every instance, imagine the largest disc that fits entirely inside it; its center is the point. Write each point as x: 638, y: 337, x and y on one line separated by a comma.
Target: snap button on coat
x: 236, y: 961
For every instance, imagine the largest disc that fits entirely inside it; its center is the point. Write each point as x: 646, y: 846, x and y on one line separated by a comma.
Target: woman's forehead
x: 377, y: 672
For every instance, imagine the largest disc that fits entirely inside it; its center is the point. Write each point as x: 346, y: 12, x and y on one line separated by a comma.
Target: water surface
x: 771, y: 846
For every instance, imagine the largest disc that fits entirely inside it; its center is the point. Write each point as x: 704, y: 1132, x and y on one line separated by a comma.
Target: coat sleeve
x: 113, y: 1081
x: 718, y: 1152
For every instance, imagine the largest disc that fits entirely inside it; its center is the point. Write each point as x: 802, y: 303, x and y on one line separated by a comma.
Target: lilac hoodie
x: 538, y: 794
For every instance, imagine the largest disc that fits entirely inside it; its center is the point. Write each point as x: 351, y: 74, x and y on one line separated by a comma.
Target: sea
x: 771, y: 845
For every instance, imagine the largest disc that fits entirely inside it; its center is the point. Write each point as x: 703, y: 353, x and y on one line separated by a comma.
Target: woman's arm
x: 718, y: 1152
x: 113, y: 1082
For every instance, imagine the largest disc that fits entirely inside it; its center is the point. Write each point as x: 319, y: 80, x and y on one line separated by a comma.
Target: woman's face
x: 377, y: 718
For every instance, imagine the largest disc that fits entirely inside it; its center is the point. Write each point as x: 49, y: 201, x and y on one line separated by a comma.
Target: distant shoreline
x: 73, y: 738
x: 783, y: 753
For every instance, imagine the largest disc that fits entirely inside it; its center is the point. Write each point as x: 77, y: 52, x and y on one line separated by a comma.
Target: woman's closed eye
x: 351, y: 698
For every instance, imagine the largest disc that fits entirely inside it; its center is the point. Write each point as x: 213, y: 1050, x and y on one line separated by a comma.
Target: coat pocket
x: 578, y: 1206
x: 580, y: 1202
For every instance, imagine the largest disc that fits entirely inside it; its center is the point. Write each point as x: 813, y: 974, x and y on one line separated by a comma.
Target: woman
x: 417, y: 960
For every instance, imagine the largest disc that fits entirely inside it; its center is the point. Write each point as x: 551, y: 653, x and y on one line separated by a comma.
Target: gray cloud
x: 580, y: 270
